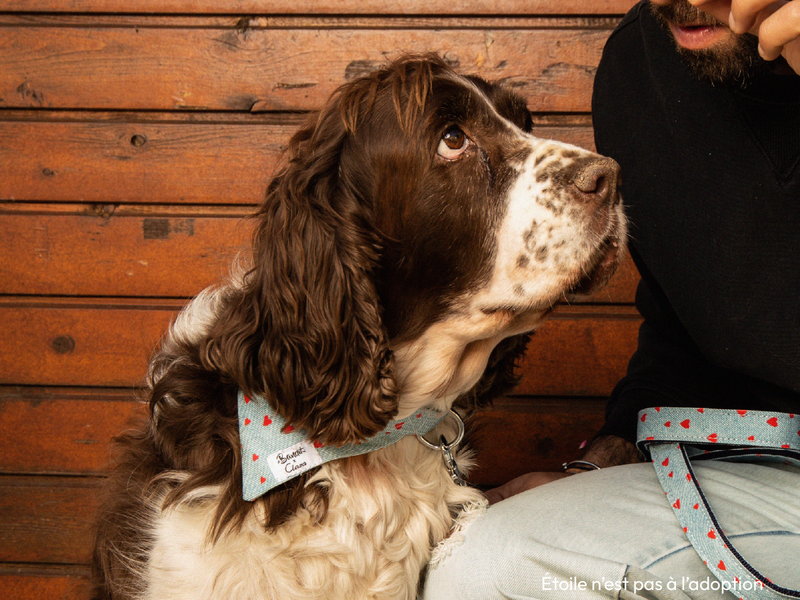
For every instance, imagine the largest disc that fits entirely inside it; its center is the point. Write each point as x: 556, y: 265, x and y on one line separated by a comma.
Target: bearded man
x: 700, y: 104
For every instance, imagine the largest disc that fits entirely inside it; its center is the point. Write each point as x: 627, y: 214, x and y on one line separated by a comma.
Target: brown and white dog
x: 416, y: 230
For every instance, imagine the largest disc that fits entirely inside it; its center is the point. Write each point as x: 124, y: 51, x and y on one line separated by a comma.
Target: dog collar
x: 274, y: 452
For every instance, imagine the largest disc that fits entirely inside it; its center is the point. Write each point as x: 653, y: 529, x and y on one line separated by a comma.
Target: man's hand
x: 610, y: 451
x: 604, y: 451
x: 777, y: 24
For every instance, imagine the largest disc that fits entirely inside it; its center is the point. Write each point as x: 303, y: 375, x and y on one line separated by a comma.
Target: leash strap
x: 274, y: 452
x: 673, y: 437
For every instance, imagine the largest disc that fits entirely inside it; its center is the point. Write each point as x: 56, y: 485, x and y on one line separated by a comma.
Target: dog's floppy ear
x: 305, y: 331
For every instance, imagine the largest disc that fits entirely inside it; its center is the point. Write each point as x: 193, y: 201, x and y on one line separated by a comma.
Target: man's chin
x: 712, y: 51
x: 731, y: 60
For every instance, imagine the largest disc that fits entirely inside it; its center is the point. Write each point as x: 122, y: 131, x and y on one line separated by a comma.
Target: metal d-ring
x: 447, y: 449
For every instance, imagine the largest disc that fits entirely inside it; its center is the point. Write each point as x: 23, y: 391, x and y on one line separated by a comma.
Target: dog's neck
x: 450, y: 357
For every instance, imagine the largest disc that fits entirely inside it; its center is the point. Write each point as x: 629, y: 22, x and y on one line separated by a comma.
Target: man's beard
x: 734, y: 60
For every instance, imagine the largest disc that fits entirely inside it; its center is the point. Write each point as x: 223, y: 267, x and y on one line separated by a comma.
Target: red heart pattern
x: 723, y: 431
x: 259, y: 471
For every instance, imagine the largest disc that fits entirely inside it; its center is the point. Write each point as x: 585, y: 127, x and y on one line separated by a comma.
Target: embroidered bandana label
x: 293, y: 461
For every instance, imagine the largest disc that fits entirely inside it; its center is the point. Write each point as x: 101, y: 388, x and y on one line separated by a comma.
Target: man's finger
x: 779, y: 29
x: 745, y: 13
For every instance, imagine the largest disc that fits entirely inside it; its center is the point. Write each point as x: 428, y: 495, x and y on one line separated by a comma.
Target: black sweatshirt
x: 711, y: 182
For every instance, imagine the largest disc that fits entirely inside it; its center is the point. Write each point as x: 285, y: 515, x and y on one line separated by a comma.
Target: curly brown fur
x: 377, y: 284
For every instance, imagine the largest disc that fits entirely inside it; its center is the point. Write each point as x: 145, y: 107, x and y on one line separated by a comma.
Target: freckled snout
x: 595, y: 181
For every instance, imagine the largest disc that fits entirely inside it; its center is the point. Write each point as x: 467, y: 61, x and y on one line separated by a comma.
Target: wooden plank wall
x: 134, y: 136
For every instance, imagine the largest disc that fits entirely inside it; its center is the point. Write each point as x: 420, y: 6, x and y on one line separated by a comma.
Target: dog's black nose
x: 596, y: 180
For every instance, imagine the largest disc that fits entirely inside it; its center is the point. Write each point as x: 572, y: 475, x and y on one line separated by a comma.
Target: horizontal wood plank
x: 63, y: 430
x: 138, y: 162
x: 581, y: 351
x: 311, y: 21
x: 391, y: 7
x: 99, y: 345
x: 102, y: 250
x: 133, y: 250
x: 274, y: 69
x: 47, y: 519
x: 37, y: 582
x: 159, y: 162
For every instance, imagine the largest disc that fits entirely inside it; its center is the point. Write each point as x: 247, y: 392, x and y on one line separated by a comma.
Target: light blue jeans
x: 612, y: 534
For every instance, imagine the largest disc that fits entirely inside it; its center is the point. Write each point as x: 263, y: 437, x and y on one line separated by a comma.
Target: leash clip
x: 448, y: 448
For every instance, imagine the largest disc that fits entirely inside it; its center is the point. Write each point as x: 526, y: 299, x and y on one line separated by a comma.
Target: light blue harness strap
x: 675, y: 436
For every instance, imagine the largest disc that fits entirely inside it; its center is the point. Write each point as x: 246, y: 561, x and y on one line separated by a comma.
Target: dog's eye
x: 453, y: 143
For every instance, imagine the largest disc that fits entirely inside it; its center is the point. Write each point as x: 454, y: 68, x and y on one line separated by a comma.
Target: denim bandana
x: 274, y: 452
x: 674, y: 437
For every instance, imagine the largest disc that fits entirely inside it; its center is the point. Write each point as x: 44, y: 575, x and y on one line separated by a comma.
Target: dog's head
x: 416, y: 219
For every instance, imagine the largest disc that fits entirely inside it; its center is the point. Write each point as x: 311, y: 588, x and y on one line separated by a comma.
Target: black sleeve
x: 667, y: 368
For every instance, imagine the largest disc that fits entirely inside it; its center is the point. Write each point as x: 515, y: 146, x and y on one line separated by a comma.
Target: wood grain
x: 63, y: 430
x: 274, y: 69
x: 37, y: 582
x: 581, y: 351
x: 391, y: 7
x: 166, y: 163
x: 47, y: 519
x: 106, y: 344
x: 108, y: 250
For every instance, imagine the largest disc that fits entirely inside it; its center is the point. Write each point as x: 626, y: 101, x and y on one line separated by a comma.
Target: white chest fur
x: 386, y: 511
